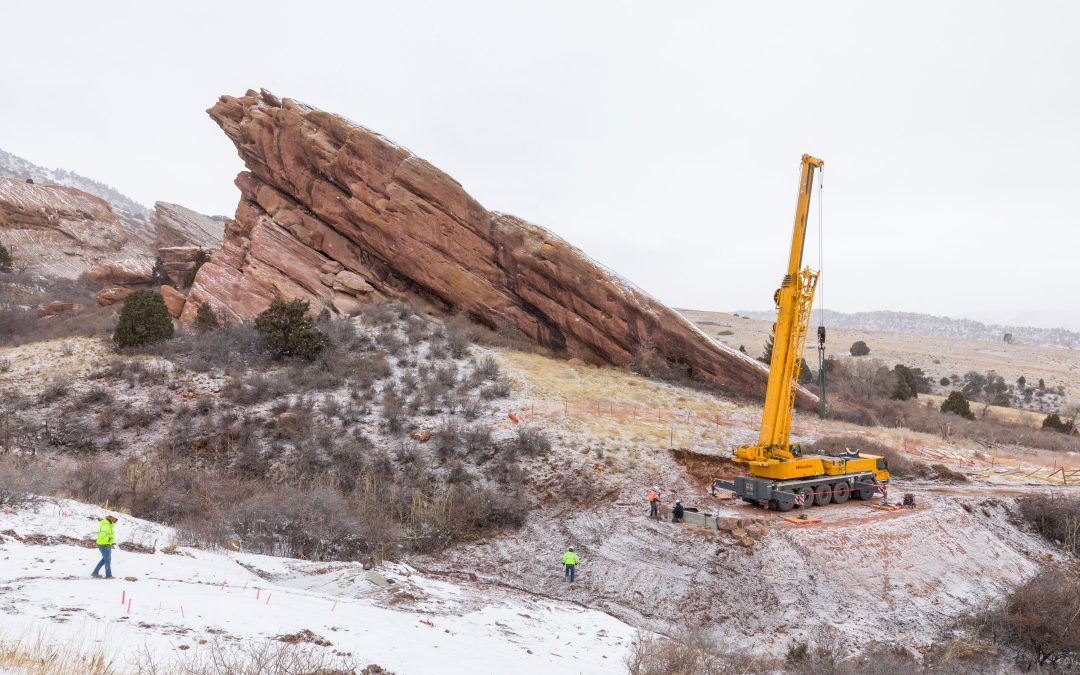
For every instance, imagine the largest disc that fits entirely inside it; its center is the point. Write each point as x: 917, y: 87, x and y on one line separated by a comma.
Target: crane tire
x: 808, y: 495
x: 841, y: 493
x: 782, y: 506
x: 866, y: 493
x: 823, y: 495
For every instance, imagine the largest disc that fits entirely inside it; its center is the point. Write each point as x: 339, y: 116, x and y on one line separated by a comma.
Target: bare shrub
x: 486, y: 370
x: 946, y: 474
x: 231, y: 346
x: 447, y: 440
x: 23, y: 479
x: 689, y: 653
x: 532, y: 442
x: 55, y: 389
x: 252, y: 657
x: 477, y: 441
x: 458, y: 336
x: 393, y: 410
x: 498, y: 389
x: 1055, y: 517
x: 95, y: 395
x: 1040, y: 621
x: 389, y: 339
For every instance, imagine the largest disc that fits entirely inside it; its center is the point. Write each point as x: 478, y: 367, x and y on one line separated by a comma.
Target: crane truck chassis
x: 781, y: 494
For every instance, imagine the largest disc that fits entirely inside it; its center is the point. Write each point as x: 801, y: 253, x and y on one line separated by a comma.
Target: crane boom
x: 793, y: 303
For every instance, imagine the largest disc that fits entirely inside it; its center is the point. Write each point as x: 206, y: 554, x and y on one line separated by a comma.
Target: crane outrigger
x: 780, y: 474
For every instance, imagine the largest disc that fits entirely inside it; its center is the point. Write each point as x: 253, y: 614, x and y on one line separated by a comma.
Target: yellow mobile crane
x: 780, y: 474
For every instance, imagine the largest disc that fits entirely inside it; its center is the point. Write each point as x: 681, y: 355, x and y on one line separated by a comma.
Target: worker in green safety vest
x: 105, y: 541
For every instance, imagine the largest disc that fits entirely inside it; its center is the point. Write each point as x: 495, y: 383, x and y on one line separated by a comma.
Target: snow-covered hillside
x: 13, y: 166
x: 170, y: 604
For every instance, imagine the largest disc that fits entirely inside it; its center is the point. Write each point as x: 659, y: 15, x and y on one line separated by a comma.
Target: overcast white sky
x: 662, y: 138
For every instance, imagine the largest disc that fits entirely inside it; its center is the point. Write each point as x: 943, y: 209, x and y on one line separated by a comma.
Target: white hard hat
x: 571, y: 548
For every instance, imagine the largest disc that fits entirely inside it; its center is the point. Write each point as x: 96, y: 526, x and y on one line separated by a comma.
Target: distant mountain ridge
x: 13, y: 166
x: 938, y: 326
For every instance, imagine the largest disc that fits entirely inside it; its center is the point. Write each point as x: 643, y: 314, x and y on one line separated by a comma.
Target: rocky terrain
x: 175, y: 225
x: 60, y: 231
x: 338, y: 215
x: 132, y: 214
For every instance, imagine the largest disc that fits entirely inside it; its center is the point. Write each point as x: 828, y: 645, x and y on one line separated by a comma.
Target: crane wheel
x: 808, y: 495
x: 823, y: 495
x: 781, y: 506
x: 866, y: 493
x: 840, y: 493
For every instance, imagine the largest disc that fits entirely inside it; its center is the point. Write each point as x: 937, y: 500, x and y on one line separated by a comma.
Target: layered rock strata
x: 335, y: 214
x: 178, y: 226
x: 57, y: 231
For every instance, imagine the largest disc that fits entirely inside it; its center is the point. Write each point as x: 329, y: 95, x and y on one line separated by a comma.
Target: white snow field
x: 192, y: 599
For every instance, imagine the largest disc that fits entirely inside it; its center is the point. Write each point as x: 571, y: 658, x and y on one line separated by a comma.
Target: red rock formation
x: 126, y: 272
x: 176, y: 226
x: 174, y: 300
x: 112, y: 295
x: 335, y: 214
x: 57, y: 231
x: 55, y: 307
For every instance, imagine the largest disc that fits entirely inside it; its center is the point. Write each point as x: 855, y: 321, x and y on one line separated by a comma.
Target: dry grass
x: 1019, y: 416
x: 937, y: 356
x: 619, y: 406
x: 35, y: 654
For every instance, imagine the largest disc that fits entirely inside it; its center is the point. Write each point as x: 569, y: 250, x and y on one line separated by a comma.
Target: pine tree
x: 5, y: 259
x: 205, y: 320
x: 201, y: 258
x: 143, y: 319
x: 285, y: 329
x: 766, y: 356
x: 958, y: 405
x: 158, y: 277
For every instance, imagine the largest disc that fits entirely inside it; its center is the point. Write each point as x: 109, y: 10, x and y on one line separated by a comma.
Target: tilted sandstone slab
x: 57, y: 231
x: 324, y: 196
x: 177, y: 225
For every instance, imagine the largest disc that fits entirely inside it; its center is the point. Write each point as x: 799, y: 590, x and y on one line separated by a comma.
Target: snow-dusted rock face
x: 179, y: 226
x: 321, y: 190
x: 132, y: 215
x: 57, y: 231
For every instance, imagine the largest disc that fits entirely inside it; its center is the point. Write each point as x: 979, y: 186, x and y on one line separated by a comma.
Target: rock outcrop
x: 177, y: 226
x: 174, y: 300
x: 335, y: 214
x: 58, y: 231
x: 110, y: 295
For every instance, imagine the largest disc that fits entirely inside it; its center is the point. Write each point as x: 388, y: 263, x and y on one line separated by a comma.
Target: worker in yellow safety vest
x: 570, y: 562
x: 105, y: 541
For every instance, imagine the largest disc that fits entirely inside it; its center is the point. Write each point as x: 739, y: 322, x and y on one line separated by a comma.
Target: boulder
x: 352, y: 283
x: 55, y: 307
x: 174, y: 300
x: 112, y: 295
x: 322, y: 192
x: 127, y: 272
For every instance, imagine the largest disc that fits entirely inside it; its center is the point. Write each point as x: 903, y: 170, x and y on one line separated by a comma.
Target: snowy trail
x: 417, y: 625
